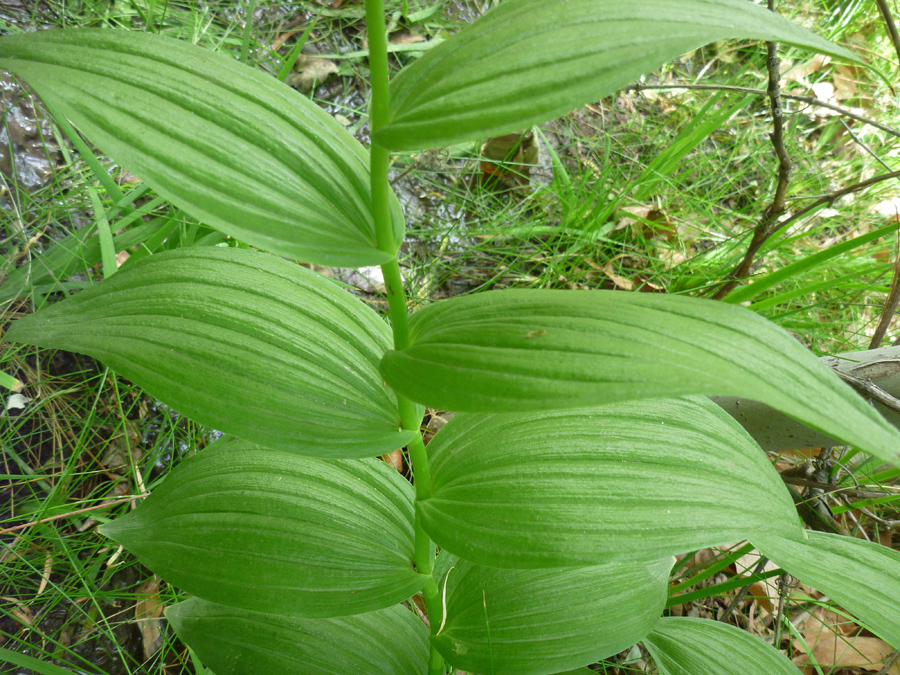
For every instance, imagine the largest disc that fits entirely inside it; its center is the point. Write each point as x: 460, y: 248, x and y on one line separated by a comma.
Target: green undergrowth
x: 651, y: 191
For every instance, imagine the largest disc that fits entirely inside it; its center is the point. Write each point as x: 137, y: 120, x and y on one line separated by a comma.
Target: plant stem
x: 410, y: 418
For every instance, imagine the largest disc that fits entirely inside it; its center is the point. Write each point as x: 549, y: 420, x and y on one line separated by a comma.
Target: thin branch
x: 829, y: 199
x: 870, y: 389
x: 890, y: 662
x: 853, y: 493
x: 890, y: 307
x: 104, y: 505
x: 760, y: 566
x: 810, y: 100
x: 768, y: 224
x: 889, y: 24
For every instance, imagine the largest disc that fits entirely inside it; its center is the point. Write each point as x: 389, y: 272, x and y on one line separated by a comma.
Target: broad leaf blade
x: 275, y: 532
x: 234, y: 148
x: 634, y: 481
x: 241, y: 341
x: 518, y: 350
x: 862, y: 576
x: 390, y: 641
x: 531, y: 60
x: 687, y: 646
x: 534, y: 622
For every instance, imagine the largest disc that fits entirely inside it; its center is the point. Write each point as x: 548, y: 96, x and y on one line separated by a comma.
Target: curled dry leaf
x: 20, y: 612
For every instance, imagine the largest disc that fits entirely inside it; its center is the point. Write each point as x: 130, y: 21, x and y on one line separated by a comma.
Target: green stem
x: 410, y: 418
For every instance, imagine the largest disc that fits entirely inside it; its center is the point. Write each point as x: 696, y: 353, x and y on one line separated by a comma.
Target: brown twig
x: 884, y: 522
x: 870, y: 389
x: 890, y: 307
x: 784, y: 587
x: 890, y: 662
x: 889, y: 24
x: 829, y: 199
x: 104, y: 505
x: 760, y: 566
x: 768, y: 224
x: 853, y: 493
x: 810, y: 100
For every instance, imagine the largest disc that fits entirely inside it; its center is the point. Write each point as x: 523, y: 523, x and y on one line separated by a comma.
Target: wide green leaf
x: 864, y: 577
x: 632, y: 481
x: 275, y: 532
x: 687, y: 646
x: 236, y: 149
x: 521, y: 350
x: 535, y: 622
x: 531, y: 60
x: 391, y: 641
x: 240, y: 341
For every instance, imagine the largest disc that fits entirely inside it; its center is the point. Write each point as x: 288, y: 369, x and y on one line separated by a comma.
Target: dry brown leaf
x: 801, y: 71
x: 844, y: 79
x: 394, y: 459
x: 311, y: 70
x: 831, y: 649
x: 406, y: 37
x: 766, y: 591
x: 21, y: 612
x: 147, y: 613
x: 45, y: 575
x: 619, y: 281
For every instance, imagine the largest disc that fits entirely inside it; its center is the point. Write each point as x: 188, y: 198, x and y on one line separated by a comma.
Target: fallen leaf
x: 765, y: 591
x: 830, y: 649
x: 509, y: 158
x: 406, y: 37
x: 844, y: 79
x: 618, y: 280
x: 21, y: 612
x: 147, y: 613
x: 311, y: 70
x: 801, y: 71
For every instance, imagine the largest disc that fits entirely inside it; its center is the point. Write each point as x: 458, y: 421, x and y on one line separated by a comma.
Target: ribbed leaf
x: 634, y: 481
x: 862, y: 576
x: 390, y: 641
x: 236, y: 149
x: 531, y: 60
x: 275, y: 532
x: 530, y: 350
x: 534, y: 622
x: 241, y: 341
x: 684, y: 646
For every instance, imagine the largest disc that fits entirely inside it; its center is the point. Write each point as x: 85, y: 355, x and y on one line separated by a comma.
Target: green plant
x: 584, y: 455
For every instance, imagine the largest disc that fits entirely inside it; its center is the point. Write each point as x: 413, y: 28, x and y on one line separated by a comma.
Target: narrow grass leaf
x: 633, y: 481
x: 797, y: 269
x: 240, y: 341
x: 532, y: 60
x: 236, y: 149
x: 75, y: 253
x: 688, y: 646
x: 38, y: 666
x: 391, y: 641
x: 545, y: 621
x: 520, y: 350
x: 862, y: 576
x: 275, y: 532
